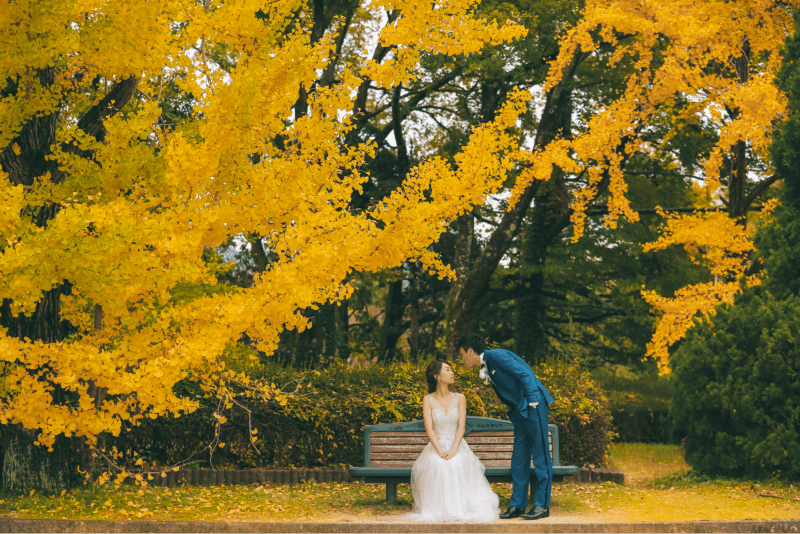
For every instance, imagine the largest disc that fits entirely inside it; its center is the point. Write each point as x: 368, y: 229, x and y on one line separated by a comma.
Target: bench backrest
x: 399, y: 444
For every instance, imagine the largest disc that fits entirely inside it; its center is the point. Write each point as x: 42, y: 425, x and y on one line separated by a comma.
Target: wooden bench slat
x: 488, y: 440
x: 413, y: 456
x: 392, y: 456
x: 484, y: 456
x: 389, y: 463
x: 397, y: 441
x: 499, y: 447
x: 424, y: 440
x: 380, y: 437
x: 410, y: 433
x: 413, y: 433
x: 409, y: 463
x: 383, y: 448
x: 497, y: 463
x: 398, y: 448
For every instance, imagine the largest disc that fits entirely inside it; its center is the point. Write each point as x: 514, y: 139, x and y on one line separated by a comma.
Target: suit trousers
x: 531, y: 443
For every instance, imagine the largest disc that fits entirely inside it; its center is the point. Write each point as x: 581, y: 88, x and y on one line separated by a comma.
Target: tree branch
x: 603, y: 210
x: 760, y: 187
x: 583, y: 320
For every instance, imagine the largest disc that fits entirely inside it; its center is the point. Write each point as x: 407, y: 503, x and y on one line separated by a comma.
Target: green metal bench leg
x: 391, y: 493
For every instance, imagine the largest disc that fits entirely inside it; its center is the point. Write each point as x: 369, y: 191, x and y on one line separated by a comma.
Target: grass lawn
x: 658, y: 487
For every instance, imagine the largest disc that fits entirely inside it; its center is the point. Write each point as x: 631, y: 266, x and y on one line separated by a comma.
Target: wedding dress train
x: 455, y: 489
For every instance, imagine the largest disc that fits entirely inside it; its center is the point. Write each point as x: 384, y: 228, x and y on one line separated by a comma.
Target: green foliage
x: 785, y: 146
x: 321, y: 422
x: 581, y: 410
x: 639, y: 403
x: 737, y: 374
x: 737, y: 388
x: 779, y: 245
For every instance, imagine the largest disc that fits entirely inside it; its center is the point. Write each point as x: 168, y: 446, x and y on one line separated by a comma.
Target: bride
x: 447, y: 479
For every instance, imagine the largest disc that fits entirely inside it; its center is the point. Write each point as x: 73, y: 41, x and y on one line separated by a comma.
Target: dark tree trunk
x: 322, y: 18
x: 330, y: 331
x: 26, y: 466
x: 392, y: 321
x: 549, y: 217
x: 343, y: 322
x: 43, y: 324
x: 737, y: 197
x: 413, y: 335
x: 432, y: 340
x: 737, y: 207
x: 462, y: 314
x: 461, y: 263
x: 325, y: 330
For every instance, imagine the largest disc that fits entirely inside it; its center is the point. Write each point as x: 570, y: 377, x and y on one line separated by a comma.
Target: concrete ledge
x: 64, y: 525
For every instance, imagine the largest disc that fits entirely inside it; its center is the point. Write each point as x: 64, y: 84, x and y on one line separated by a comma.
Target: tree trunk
x: 26, y: 466
x: 549, y: 217
x: 462, y: 315
x: 343, y: 322
x: 413, y: 335
x: 392, y: 319
x: 432, y: 341
x: 327, y: 331
x: 461, y: 263
x: 737, y: 197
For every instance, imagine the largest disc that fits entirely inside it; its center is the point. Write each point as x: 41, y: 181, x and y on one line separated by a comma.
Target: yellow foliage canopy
x: 720, y: 58
x: 716, y: 241
x: 135, y: 217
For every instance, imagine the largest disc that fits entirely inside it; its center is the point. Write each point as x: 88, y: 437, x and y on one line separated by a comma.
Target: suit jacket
x: 514, y: 380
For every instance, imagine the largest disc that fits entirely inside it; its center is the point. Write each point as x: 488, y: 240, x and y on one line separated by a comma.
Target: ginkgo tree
x: 107, y: 202
x: 708, y: 62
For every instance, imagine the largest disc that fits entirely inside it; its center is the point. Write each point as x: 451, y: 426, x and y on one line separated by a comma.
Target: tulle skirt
x: 451, y: 490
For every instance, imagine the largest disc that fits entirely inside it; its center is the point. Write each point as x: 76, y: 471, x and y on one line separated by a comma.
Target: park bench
x: 390, y: 450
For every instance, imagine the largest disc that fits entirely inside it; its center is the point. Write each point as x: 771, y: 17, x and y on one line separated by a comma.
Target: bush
x: 737, y: 388
x: 582, y: 412
x: 639, y: 403
x: 640, y: 424
x: 322, y: 422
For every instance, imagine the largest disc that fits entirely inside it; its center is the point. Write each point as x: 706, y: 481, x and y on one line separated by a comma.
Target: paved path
x: 549, y: 525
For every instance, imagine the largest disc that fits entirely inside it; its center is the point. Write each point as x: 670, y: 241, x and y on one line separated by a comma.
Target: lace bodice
x: 445, y: 423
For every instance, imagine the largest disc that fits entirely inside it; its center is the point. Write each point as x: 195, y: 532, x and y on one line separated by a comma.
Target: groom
x: 527, y: 399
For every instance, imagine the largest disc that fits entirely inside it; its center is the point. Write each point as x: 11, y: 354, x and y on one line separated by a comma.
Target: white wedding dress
x: 455, y: 489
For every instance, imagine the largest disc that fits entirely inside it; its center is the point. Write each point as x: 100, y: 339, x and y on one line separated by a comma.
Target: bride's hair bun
x: 434, y: 368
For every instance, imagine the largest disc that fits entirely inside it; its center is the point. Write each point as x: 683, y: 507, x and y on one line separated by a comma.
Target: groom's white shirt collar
x: 482, y: 362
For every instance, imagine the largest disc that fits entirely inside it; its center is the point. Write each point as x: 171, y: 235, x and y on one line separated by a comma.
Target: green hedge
x: 639, y: 424
x: 737, y: 388
x: 640, y: 401
x: 322, y: 424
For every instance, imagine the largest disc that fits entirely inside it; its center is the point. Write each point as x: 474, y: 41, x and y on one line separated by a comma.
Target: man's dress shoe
x: 512, y: 512
x: 537, y: 512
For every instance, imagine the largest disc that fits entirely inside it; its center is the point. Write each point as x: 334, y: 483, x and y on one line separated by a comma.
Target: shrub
x: 582, y: 412
x: 322, y: 422
x: 639, y: 403
x: 737, y: 388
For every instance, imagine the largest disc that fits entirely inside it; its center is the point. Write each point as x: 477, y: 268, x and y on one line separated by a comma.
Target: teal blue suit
x: 517, y: 386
